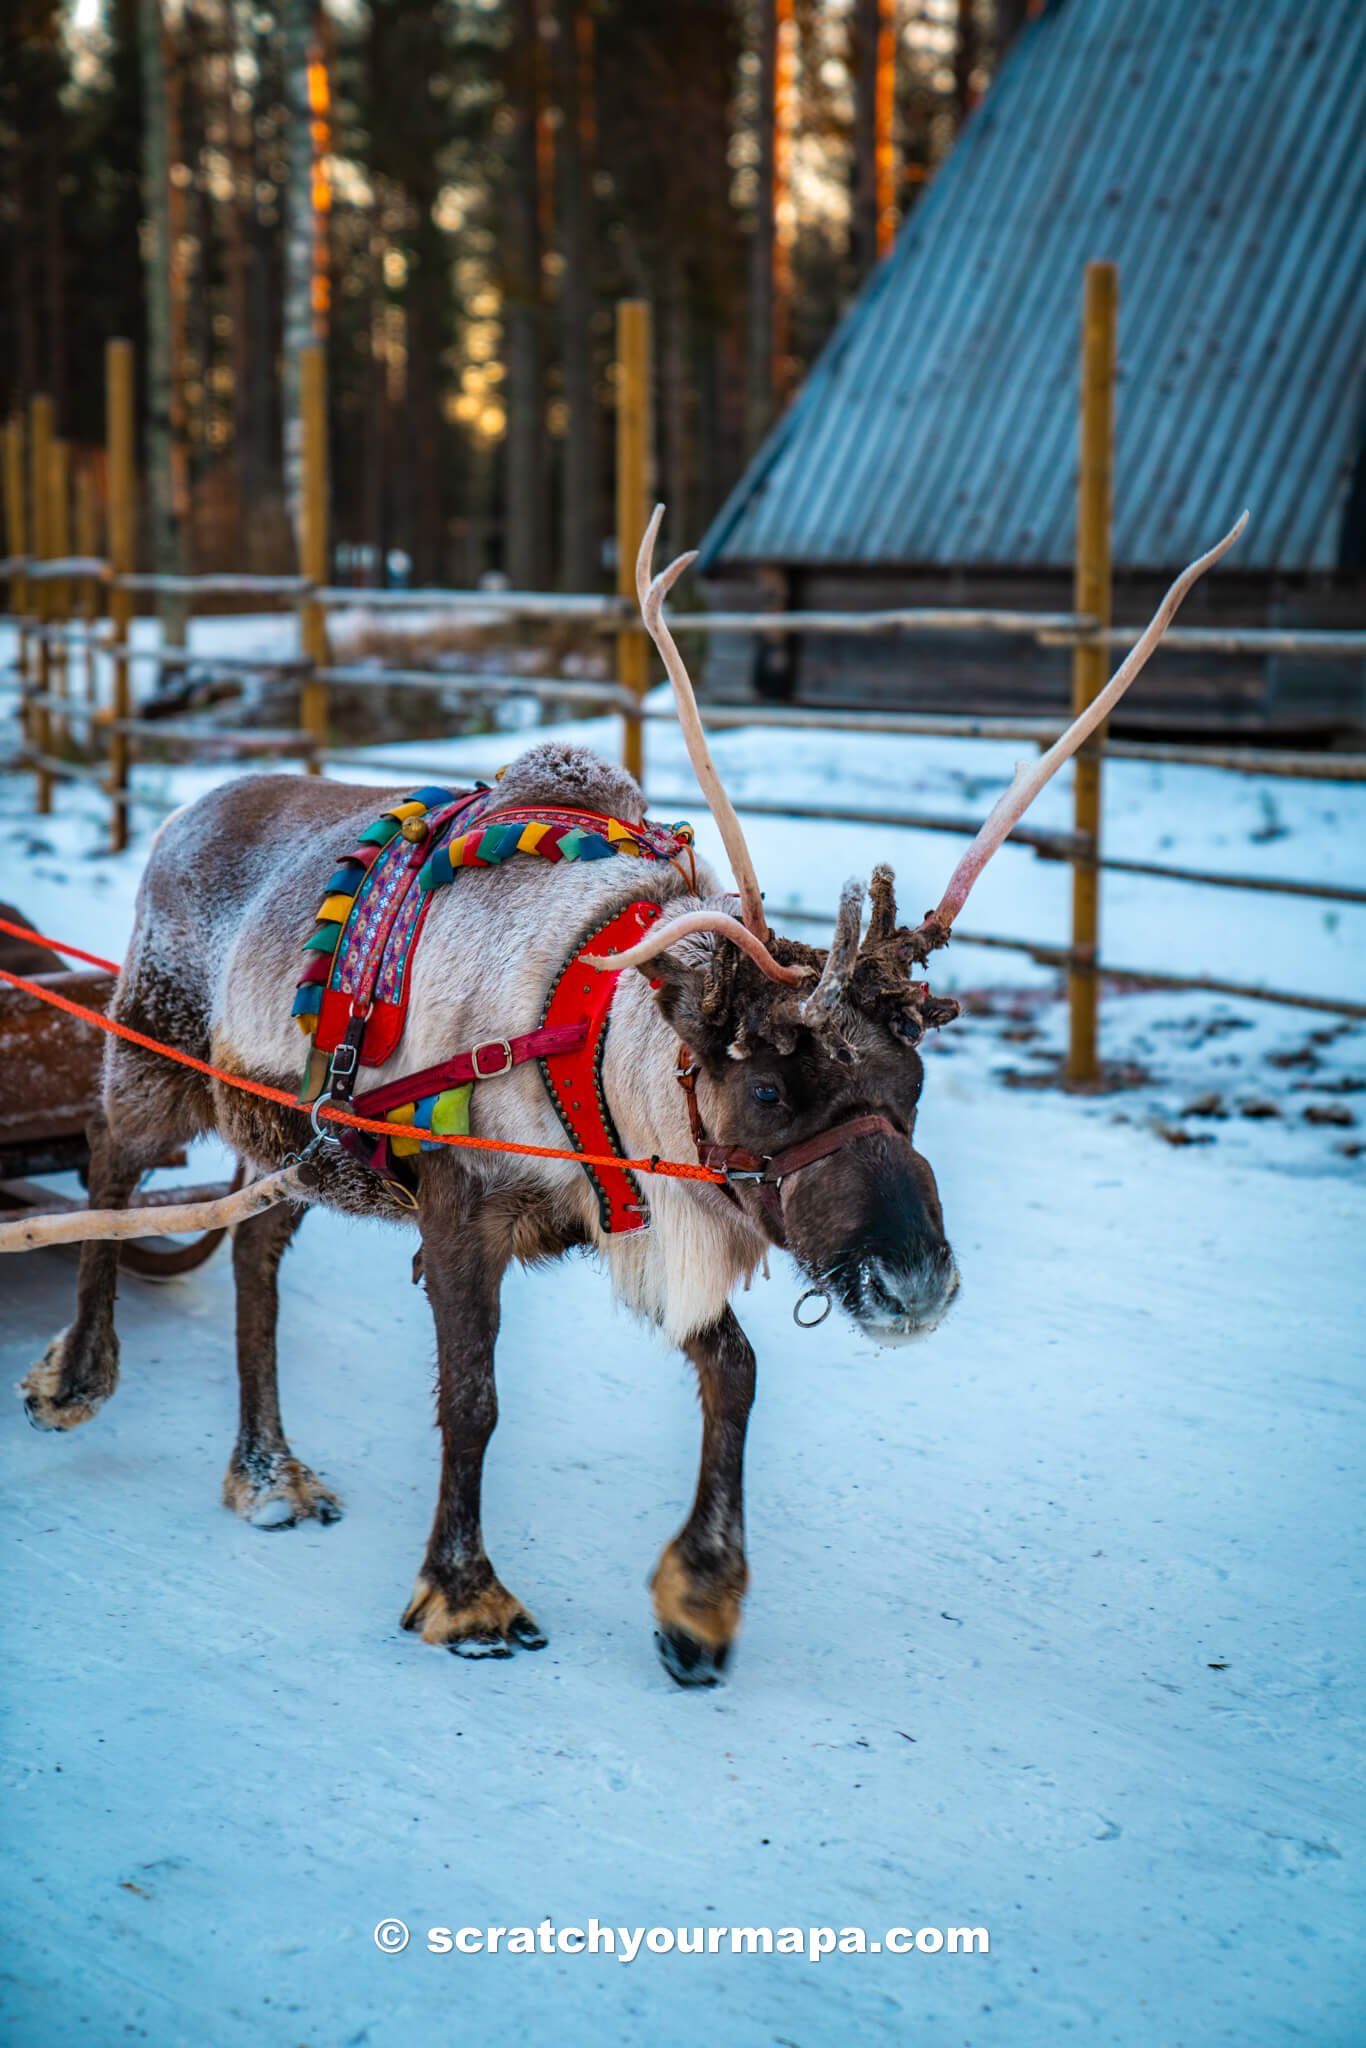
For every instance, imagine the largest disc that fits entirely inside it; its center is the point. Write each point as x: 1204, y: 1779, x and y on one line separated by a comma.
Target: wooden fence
x: 57, y: 597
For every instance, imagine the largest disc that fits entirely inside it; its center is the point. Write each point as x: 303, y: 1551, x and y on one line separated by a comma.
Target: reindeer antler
x: 751, y: 935
x: 665, y: 935
x: 825, y: 998
x: 652, y: 592
x: 1029, y: 780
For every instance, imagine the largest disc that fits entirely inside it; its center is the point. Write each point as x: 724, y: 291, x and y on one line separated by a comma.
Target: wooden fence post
x: 40, y: 476
x: 118, y: 429
x: 313, y: 544
x: 88, y: 545
x: 59, y: 540
x: 16, y: 543
x: 634, y: 359
x: 1091, y: 594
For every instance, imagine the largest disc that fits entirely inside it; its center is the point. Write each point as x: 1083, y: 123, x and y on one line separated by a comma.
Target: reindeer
x: 800, y: 1078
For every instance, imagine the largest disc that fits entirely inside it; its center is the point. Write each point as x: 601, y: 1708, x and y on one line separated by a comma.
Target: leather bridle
x: 767, y: 1171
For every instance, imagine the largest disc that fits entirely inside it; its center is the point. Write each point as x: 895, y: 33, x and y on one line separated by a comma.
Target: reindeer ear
x: 938, y: 1010
x: 679, y: 988
x: 923, y: 1013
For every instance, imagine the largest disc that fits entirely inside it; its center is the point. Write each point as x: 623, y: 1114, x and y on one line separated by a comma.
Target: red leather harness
x: 581, y: 997
x: 569, y: 1044
x: 358, y: 1027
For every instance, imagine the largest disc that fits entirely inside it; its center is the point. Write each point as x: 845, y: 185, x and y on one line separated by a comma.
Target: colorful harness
x: 352, y: 998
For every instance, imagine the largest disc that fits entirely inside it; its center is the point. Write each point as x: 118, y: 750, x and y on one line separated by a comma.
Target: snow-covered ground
x: 1055, y: 1621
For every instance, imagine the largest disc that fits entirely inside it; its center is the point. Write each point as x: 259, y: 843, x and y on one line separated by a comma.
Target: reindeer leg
x: 148, y: 1108
x: 459, y: 1601
x: 700, y: 1581
x: 80, y: 1368
x: 265, y: 1483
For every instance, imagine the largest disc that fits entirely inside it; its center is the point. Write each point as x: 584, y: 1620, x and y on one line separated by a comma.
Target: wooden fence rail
x: 54, y: 596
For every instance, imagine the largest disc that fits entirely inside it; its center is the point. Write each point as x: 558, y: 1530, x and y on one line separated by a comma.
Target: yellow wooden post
x: 40, y: 477
x: 88, y: 545
x: 313, y: 544
x: 634, y: 439
x: 1091, y: 594
x: 118, y: 428
x: 16, y: 543
x: 59, y: 540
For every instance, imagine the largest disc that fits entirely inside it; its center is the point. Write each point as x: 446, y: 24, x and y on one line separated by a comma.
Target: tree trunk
x: 965, y: 62
x: 525, y: 545
x: 1011, y: 16
x: 174, y: 65
x: 267, y: 538
x: 54, y: 252
x: 769, y: 277
x: 874, y: 86
x: 247, y: 483
x: 427, y: 293
x: 24, y: 371
x: 167, y: 539
x: 377, y: 406
x: 580, y: 537
x: 297, y: 21
x: 676, y: 408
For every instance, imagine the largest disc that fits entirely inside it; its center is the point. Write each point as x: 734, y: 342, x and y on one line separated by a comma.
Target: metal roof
x: 1213, y: 150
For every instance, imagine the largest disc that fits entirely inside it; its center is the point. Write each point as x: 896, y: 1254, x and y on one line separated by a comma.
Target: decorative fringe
x: 340, y: 900
x: 488, y: 846
x: 448, y: 1114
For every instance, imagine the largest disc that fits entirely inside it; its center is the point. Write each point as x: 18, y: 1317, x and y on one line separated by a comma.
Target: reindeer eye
x: 766, y: 1092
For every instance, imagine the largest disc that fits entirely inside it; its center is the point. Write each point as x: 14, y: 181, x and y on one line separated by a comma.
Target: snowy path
x: 1055, y: 1619
x: 992, y: 1575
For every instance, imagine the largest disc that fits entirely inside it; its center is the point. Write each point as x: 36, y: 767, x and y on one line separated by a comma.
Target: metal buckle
x: 492, y: 1073
x: 345, y: 1060
x: 748, y: 1173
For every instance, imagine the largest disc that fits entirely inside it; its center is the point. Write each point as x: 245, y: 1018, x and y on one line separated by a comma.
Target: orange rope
x: 670, y: 1168
x: 19, y: 931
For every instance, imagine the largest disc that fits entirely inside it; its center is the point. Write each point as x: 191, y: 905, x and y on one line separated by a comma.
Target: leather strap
x: 483, y: 1062
x: 767, y: 1172
x: 807, y: 1150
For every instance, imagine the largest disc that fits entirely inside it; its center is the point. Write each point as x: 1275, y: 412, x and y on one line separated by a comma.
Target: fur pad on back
x: 559, y: 773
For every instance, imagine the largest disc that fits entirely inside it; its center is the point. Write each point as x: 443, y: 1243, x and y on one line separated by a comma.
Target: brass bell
x: 414, y: 830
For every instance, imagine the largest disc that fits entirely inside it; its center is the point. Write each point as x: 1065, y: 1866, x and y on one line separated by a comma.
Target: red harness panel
x: 574, y: 1079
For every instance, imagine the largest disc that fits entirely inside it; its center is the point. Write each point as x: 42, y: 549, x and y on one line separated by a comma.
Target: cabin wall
x: 987, y: 673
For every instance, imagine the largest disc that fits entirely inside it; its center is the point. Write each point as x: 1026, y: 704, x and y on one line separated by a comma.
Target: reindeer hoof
x: 688, y: 1660
x: 47, y: 1407
x: 278, y: 1493
x: 491, y: 1624
x: 696, y: 1619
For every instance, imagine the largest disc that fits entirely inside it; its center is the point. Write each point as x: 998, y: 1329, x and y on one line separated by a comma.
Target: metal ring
x: 813, y: 1322
x: 328, y: 1137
